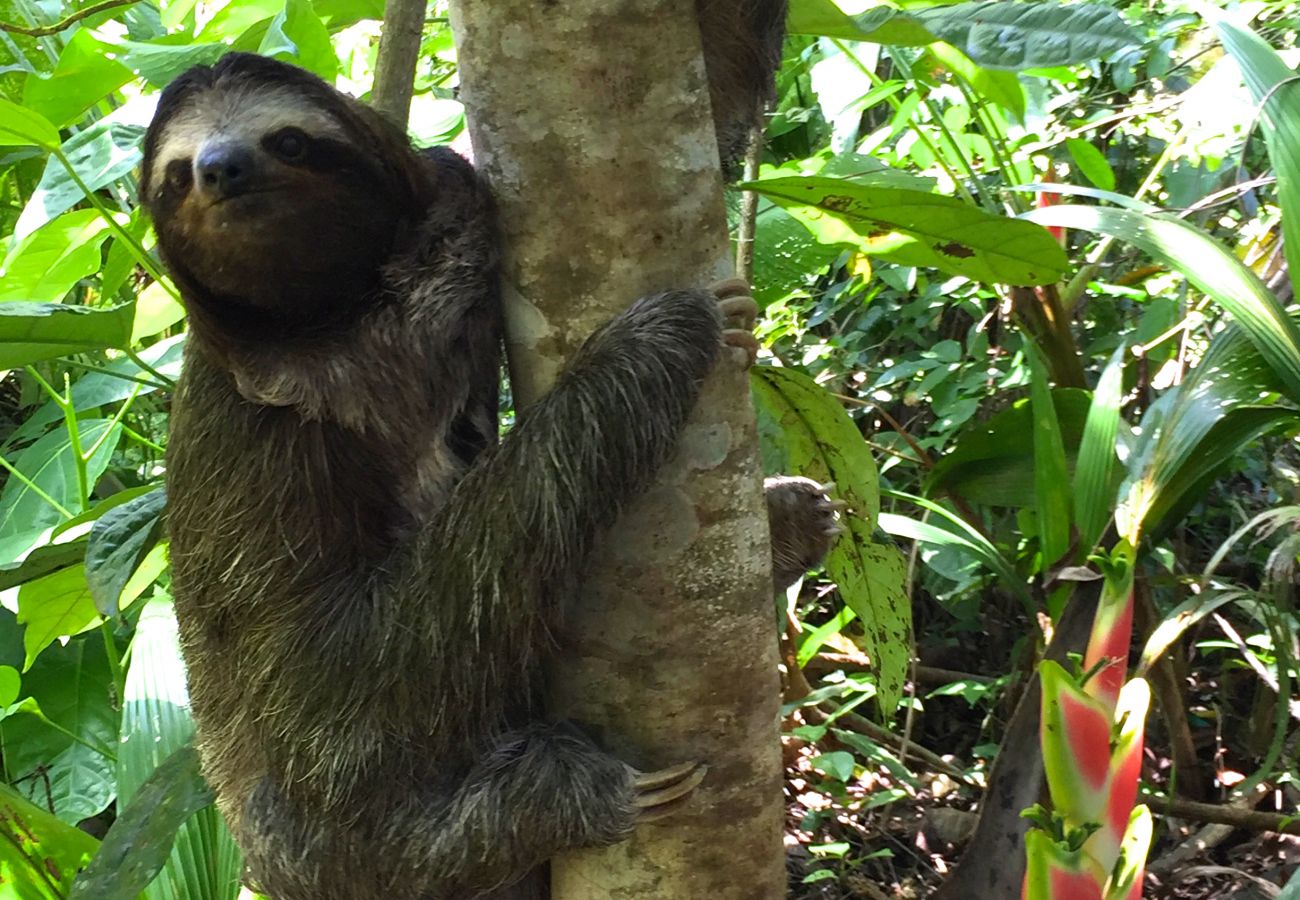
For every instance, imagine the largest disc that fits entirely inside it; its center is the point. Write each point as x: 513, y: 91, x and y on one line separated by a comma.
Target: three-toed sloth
x: 364, y: 575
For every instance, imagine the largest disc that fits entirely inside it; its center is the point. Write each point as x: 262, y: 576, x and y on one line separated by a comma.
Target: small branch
x: 399, y: 52
x: 66, y: 21
x: 749, y: 207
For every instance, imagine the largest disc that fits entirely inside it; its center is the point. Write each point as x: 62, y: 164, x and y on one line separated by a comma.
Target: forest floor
x: 876, y: 830
x: 906, y: 849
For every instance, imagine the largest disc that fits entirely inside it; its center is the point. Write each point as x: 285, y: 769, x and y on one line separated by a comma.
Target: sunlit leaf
x: 82, y: 77
x: 21, y: 127
x: 30, y: 332
x: 100, y: 154
x: 204, y: 863
x: 923, y: 229
x: 39, y: 855
x: 1001, y: 34
x: 48, y: 263
x: 119, y: 540
x: 70, y: 685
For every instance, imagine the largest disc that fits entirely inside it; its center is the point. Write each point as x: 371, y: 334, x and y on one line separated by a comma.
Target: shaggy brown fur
x: 365, y: 578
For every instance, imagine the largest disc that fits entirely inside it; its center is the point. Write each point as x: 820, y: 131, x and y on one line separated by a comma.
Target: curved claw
x: 660, y: 793
x: 745, y: 342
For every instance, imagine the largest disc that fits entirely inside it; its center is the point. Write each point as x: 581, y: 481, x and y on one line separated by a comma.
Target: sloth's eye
x: 178, y: 174
x: 290, y: 144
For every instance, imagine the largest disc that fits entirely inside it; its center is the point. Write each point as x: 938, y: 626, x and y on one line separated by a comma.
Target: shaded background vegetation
x: 1140, y: 383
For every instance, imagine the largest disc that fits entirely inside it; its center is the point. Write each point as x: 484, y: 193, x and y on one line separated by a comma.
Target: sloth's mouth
x: 247, y: 194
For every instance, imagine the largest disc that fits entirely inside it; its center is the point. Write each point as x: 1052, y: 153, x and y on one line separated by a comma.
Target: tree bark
x: 591, y: 120
x: 395, y: 61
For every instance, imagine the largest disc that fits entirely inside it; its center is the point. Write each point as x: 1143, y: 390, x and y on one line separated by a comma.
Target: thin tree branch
x: 66, y: 21
x: 399, y: 52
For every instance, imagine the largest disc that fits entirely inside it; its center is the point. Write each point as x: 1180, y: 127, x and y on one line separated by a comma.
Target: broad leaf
x: 53, y: 607
x: 823, y: 443
x: 204, y: 863
x: 39, y: 855
x: 100, y: 154
x: 119, y: 540
x: 1206, y: 264
x: 83, y: 77
x: 922, y: 229
x: 45, y: 265
x: 1273, y: 83
x: 22, y: 127
x: 30, y: 332
x: 72, y: 687
x: 141, y: 839
x: 1007, y: 35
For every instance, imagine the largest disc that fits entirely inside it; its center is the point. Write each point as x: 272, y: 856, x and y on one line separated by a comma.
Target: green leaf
x: 41, y: 562
x: 297, y: 35
x: 119, y: 540
x: 1206, y: 264
x: 1193, y: 430
x: 790, y: 255
x: 838, y: 765
x: 881, y: 25
x: 158, y: 62
x: 82, y: 78
x: 1092, y: 163
x: 1051, y: 474
x: 1273, y: 83
x: 957, y: 533
x: 1094, y: 490
x: 204, y: 863
x: 1002, y: 34
x: 141, y: 839
x: 39, y: 855
x: 20, y: 127
x: 53, y: 607
x: 823, y: 443
x: 101, y: 388
x: 922, y: 229
x: 71, y: 686
x: 100, y: 154
x: 48, y: 263
x: 30, y: 332
x: 1002, y: 88
x: 992, y: 464
x: 50, y: 465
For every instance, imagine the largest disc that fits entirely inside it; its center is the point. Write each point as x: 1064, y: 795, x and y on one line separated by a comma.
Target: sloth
x: 366, y: 578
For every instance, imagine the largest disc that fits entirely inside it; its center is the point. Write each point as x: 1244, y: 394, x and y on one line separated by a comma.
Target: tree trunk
x: 590, y: 118
x: 399, y: 51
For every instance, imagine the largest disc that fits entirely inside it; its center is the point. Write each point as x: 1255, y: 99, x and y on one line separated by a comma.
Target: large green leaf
x: 1094, y: 490
x: 923, y: 229
x: 53, y: 607
x: 39, y: 855
x: 119, y: 540
x: 1052, y: 496
x: 296, y: 33
x: 100, y: 154
x: 44, y: 266
x: 1001, y: 34
x: 30, y: 332
x: 822, y: 442
x: 1206, y: 264
x: 50, y: 465
x: 73, y: 688
x: 1273, y: 83
x: 204, y: 863
x: 1193, y: 430
x: 141, y: 839
x: 991, y: 463
x: 22, y: 127
x: 158, y: 62
x: 82, y: 77
x: 882, y: 24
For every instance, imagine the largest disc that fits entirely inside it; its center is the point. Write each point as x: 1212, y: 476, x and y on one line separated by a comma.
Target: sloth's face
x: 269, y: 189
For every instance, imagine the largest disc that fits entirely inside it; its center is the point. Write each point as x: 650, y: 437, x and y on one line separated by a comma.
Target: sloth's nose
x: 224, y: 170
